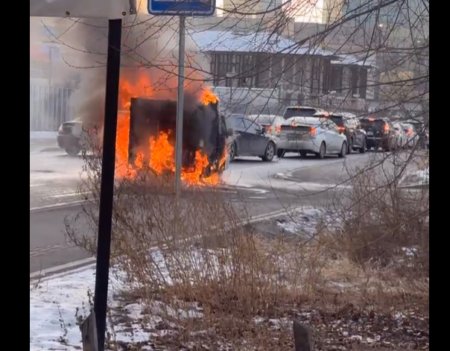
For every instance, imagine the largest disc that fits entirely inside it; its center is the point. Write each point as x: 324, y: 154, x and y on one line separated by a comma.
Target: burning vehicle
x: 146, y: 133
x: 152, y: 137
x: 146, y: 130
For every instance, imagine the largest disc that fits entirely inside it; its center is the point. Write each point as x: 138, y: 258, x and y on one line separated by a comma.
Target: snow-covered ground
x: 53, y: 303
x: 306, y: 222
x: 55, y: 300
x: 57, y: 304
x: 419, y: 177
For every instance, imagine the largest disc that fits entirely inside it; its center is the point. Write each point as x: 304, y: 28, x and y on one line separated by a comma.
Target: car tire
x: 269, y: 153
x: 232, y: 152
x: 73, y: 150
x: 303, y: 154
x: 343, y: 151
x: 322, y: 151
x: 280, y: 153
x: 363, y: 148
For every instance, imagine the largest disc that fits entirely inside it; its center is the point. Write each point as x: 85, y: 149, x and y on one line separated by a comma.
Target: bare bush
x: 382, y: 222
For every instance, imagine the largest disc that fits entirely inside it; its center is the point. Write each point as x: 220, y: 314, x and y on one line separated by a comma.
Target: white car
x: 400, y: 135
x: 410, y: 134
x: 320, y: 136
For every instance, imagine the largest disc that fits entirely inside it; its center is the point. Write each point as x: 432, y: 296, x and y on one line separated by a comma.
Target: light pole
x: 229, y: 76
x: 378, y: 61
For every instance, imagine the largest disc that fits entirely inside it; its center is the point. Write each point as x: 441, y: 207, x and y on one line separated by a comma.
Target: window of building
x: 336, y: 76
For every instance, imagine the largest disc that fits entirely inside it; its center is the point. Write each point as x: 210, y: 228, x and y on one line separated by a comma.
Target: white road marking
x: 56, y: 206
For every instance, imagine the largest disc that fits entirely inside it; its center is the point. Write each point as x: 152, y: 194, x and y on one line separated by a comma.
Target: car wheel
x: 322, y: 151
x: 363, y: 148
x: 232, y: 151
x: 303, y: 154
x: 343, y: 150
x: 73, y: 150
x: 280, y: 153
x: 269, y: 153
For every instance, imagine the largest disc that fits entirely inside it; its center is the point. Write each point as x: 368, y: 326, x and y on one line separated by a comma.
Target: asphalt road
x: 253, y: 185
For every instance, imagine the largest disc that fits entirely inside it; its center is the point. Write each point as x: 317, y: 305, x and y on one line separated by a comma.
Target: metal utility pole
x: 180, y: 108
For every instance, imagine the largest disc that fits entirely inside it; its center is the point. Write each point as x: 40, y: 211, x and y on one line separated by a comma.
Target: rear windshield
x: 299, y: 112
x: 339, y: 120
x: 378, y: 123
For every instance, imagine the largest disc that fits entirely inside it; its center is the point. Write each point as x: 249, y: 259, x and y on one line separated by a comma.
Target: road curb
x: 79, y: 265
x: 57, y: 206
x: 61, y: 270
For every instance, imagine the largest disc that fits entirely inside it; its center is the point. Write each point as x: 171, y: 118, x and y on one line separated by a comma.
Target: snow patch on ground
x: 416, y: 178
x: 306, y: 222
x: 54, y: 303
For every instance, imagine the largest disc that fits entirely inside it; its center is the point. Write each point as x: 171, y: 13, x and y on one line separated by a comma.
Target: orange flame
x: 207, y: 97
x: 161, y: 151
x: 162, y: 154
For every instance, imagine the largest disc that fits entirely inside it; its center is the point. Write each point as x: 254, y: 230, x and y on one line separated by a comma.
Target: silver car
x: 319, y: 136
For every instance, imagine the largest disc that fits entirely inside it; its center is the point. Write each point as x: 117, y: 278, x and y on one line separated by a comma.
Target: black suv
x: 351, y: 127
x: 379, y: 133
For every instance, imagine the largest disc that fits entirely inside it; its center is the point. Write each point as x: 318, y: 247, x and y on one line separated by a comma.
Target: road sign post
x: 180, y: 107
x: 114, y: 11
x: 180, y: 8
x: 107, y: 180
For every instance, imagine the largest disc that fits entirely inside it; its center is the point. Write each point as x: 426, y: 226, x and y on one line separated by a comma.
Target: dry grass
x: 198, y: 251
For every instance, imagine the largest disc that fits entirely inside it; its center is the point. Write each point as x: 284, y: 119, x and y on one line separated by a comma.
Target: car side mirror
x: 259, y: 130
x: 230, y: 132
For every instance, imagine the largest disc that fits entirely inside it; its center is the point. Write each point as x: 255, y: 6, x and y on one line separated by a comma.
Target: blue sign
x: 182, y: 7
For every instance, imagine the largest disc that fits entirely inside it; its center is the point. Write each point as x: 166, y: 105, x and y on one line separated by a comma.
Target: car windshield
x: 299, y: 112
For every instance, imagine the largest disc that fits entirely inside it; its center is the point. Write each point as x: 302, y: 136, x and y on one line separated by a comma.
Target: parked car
x: 410, y: 133
x: 250, y: 139
x: 317, y: 135
x: 301, y: 111
x: 349, y: 125
x: 421, y: 132
x: 71, y: 137
x: 400, y: 136
x: 270, y: 123
x: 379, y: 133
